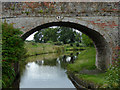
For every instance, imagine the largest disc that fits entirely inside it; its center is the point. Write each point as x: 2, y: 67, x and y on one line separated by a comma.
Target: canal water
x: 46, y: 71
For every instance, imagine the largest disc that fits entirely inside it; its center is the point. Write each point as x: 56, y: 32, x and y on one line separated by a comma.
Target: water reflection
x: 46, y: 73
x: 69, y: 59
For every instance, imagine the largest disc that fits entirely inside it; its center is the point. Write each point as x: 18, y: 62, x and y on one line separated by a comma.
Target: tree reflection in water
x: 53, y: 62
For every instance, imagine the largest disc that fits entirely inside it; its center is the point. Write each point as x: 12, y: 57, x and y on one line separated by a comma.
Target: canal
x: 46, y: 71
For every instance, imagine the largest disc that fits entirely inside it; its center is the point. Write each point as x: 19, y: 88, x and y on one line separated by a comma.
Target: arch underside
x: 102, y: 48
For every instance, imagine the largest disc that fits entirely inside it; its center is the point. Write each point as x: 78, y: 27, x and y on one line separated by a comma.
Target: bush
x: 12, y: 51
x: 113, y: 77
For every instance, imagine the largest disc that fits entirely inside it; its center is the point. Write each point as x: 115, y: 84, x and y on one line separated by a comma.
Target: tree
x: 60, y: 34
x: 86, y: 40
x: 78, y: 37
x: 49, y: 34
x: 66, y: 35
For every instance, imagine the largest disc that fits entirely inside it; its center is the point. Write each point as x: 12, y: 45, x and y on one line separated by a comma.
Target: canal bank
x: 42, y: 48
x: 82, y: 83
x: 45, y: 72
x: 53, y: 61
x: 83, y: 71
x: 73, y: 67
x: 71, y: 75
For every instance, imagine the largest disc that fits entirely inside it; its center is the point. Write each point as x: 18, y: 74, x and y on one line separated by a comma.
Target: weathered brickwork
x: 97, y: 20
x: 20, y: 9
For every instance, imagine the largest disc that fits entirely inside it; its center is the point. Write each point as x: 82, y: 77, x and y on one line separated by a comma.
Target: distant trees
x: 67, y: 35
x: 63, y: 35
x: 49, y: 34
x: 60, y: 34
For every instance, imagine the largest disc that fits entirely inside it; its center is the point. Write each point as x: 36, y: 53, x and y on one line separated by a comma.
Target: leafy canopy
x: 60, y: 34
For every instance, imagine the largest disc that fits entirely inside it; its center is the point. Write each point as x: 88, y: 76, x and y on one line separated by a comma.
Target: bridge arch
x: 103, y: 59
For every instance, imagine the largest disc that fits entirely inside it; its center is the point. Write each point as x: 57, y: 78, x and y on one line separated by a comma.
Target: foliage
x: 71, y: 44
x: 77, y: 45
x: 60, y: 34
x: 41, y: 11
x: 51, y: 42
x: 27, y: 13
x: 96, y: 79
x: 12, y: 44
x: 43, y: 36
x: 113, y: 74
x: 86, y: 40
x: 12, y: 8
x: 12, y: 51
x: 113, y: 77
x: 66, y: 35
x: 85, y: 60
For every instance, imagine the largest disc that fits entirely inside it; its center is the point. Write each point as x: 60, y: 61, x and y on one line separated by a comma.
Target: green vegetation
x: 110, y: 79
x: 60, y: 35
x: 42, y: 48
x: 113, y: 74
x: 54, y: 40
x: 87, y: 41
x: 40, y: 11
x: 27, y: 13
x: 113, y: 77
x: 12, y: 51
x: 12, y: 8
x: 86, y: 60
x: 96, y: 79
x: 74, y: 47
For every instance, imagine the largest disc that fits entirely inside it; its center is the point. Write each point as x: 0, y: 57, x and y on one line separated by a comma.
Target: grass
x: 96, y: 79
x: 41, y: 48
x: 74, y: 48
x: 85, y: 60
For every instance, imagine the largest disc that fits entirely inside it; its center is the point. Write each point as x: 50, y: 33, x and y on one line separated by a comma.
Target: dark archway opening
x: 102, y: 48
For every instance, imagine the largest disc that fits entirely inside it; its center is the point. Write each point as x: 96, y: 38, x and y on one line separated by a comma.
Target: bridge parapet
x: 70, y: 9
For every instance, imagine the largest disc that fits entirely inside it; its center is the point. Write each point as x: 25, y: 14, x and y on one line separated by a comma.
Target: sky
x: 31, y: 37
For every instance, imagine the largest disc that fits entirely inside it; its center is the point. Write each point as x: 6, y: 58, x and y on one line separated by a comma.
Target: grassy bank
x: 74, y: 47
x: 42, y: 48
x: 96, y: 79
x: 86, y: 61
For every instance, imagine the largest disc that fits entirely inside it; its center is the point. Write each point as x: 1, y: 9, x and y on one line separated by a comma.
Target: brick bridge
x: 98, y: 20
